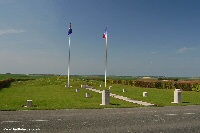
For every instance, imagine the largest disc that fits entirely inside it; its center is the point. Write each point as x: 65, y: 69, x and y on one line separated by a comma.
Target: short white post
x: 145, y: 94
x: 77, y: 90
x: 100, y: 86
x: 177, y: 96
x: 110, y: 87
x: 105, y: 97
x: 29, y: 103
x: 124, y: 90
x: 87, y: 95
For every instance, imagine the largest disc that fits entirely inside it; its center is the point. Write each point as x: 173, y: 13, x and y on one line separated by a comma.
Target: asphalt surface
x: 146, y: 120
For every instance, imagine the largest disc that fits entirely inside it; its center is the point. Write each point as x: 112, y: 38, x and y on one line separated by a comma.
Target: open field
x: 6, y: 76
x: 50, y: 93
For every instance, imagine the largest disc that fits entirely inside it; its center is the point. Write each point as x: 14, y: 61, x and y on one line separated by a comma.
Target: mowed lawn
x: 160, y: 97
x: 51, y: 93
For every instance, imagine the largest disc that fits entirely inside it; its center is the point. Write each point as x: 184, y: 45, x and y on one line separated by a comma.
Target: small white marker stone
x: 87, y: 95
x: 145, y: 94
x: 29, y: 103
x: 124, y: 90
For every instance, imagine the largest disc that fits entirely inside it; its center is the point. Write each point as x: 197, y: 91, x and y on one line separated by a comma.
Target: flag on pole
x: 70, y: 29
x: 105, y: 33
x: 69, y: 32
x: 105, y: 36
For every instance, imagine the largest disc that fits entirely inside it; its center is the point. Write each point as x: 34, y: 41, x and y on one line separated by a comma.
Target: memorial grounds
x: 49, y: 92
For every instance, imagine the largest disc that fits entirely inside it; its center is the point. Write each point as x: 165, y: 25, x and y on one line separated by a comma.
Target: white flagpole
x: 106, y: 57
x: 69, y: 62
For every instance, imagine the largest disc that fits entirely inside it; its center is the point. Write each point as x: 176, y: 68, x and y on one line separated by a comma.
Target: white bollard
x: 177, y: 96
x: 124, y: 90
x: 100, y: 86
x: 105, y: 97
x: 110, y: 87
x: 87, y: 95
x: 29, y: 103
x: 145, y: 94
x: 77, y: 90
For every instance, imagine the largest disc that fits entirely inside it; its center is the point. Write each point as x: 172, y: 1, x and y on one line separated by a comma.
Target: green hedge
x: 160, y: 84
x: 154, y: 84
x: 183, y: 85
x: 6, y: 83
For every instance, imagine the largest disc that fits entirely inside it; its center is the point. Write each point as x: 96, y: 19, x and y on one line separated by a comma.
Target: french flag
x: 105, y: 34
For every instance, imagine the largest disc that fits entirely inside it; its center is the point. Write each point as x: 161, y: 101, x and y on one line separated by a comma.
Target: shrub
x: 6, y: 83
x: 170, y: 84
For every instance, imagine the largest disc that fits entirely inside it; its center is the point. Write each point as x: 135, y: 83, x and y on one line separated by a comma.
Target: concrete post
x: 124, y: 90
x: 87, y: 95
x: 105, y: 97
x: 29, y: 103
x: 177, y: 96
x: 77, y: 90
x: 145, y: 94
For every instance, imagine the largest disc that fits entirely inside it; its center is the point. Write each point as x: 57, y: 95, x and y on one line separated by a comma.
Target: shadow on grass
x: 114, y: 104
x: 185, y: 102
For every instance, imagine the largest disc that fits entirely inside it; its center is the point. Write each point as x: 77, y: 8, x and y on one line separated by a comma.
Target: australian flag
x: 70, y: 29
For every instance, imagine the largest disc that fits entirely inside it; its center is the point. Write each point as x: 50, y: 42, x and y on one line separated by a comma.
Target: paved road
x: 155, y: 120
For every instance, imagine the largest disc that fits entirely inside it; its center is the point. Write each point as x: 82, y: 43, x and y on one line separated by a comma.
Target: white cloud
x: 184, y: 50
x: 11, y: 31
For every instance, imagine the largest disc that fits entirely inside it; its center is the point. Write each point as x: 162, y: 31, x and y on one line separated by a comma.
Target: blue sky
x: 145, y: 37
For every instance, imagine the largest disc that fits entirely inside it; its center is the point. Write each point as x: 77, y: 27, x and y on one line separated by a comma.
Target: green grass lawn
x: 160, y: 97
x: 51, y: 93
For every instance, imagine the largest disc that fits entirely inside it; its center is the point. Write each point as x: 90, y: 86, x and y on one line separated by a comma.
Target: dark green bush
x: 6, y: 83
